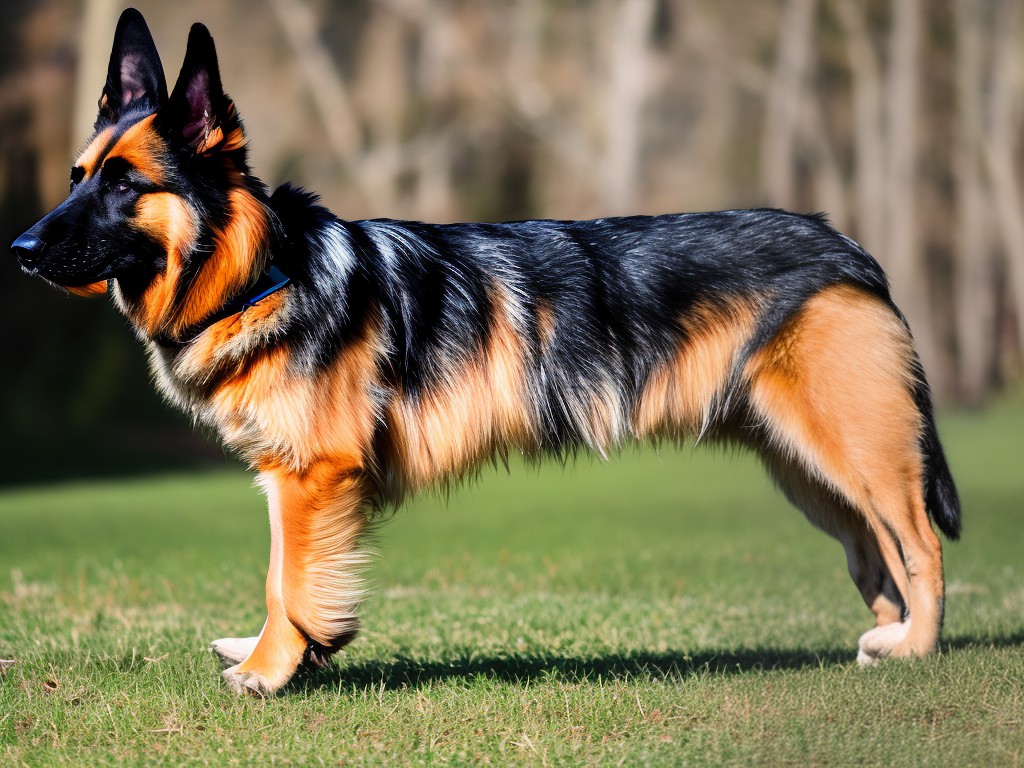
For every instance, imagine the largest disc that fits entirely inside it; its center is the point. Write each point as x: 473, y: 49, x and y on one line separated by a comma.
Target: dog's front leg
x: 317, y: 517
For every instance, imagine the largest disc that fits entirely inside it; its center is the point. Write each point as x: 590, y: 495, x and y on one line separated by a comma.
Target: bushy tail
x: 940, y: 495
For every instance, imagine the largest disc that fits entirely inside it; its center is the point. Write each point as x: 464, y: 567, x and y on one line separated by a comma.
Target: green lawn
x: 667, y: 608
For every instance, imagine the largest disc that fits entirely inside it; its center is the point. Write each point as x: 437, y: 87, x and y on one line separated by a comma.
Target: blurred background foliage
x: 900, y: 118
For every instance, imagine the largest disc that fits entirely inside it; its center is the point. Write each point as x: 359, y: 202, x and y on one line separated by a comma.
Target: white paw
x: 877, y: 643
x: 247, y: 683
x: 232, y: 650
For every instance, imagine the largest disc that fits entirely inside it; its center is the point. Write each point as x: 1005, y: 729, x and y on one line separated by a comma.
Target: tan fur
x: 317, y: 517
x: 346, y: 409
x: 679, y: 394
x: 881, y: 589
x: 238, y: 256
x: 843, y: 355
x: 306, y: 436
x: 267, y: 410
x: 169, y: 219
x: 322, y: 518
x: 545, y: 315
x: 139, y: 145
x: 280, y: 647
x: 93, y: 289
x: 833, y: 390
x: 213, y: 138
x: 479, y: 408
x: 142, y: 148
x: 89, y: 159
x: 264, y: 409
x: 231, y: 340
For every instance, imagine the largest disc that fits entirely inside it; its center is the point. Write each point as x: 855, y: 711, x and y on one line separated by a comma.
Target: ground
x: 667, y: 608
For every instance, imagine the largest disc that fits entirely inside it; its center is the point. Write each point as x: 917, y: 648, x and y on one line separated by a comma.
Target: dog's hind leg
x: 832, y: 395
x: 316, y: 520
x: 831, y: 513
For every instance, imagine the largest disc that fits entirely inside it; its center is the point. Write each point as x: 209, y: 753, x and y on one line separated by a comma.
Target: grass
x: 667, y: 609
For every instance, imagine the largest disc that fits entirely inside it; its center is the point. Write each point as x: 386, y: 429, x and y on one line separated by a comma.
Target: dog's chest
x: 270, y: 409
x: 259, y: 408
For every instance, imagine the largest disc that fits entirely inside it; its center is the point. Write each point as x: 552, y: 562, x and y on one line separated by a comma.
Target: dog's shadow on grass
x: 408, y: 672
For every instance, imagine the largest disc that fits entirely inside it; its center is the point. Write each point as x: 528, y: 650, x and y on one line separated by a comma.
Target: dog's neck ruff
x: 270, y: 280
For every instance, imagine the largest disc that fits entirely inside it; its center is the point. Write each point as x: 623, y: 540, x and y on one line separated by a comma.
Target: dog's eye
x: 77, y: 174
x: 122, y: 188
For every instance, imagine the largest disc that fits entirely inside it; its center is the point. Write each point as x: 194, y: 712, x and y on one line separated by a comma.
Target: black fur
x: 618, y: 288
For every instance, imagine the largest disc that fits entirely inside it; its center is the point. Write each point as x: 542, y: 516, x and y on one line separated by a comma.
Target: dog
x: 353, y: 362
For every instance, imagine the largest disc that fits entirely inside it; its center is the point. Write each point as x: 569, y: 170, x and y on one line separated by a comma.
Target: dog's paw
x: 876, y: 644
x: 248, y: 683
x: 232, y: 650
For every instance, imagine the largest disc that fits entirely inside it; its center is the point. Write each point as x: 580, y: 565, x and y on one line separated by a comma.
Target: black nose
x: 28, y: 248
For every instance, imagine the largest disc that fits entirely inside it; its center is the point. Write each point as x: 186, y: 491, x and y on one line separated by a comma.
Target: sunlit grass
x: 665, y: 608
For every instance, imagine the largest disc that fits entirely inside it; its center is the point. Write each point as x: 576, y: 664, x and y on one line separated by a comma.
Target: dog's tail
x: 940, y: 494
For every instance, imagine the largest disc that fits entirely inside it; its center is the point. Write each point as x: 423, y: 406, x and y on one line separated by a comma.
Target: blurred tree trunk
x: 380, y: 94
x: 782, y: 110
x: 1005, y: 128
x: 326, y: 88
x: 868, y: 143
x: 432, y: 160
x: 827, y: 181
x: 902, y: 252
x: 98, y: 19
x: 974, y: 280
x: 629, y: 34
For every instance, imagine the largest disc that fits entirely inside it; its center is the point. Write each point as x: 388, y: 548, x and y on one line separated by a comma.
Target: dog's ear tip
x: 200, y: 50
x: 129, y: 14
x: 199, y: 34
x: 131, y: 18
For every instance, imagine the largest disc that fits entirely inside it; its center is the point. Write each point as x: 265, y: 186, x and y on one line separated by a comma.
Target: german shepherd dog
x: 351, y: 362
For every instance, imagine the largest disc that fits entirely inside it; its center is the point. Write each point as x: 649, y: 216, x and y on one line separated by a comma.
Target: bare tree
x: 868, y: 141
x: 630, y: 34
x: 98, y: 18
x: 827, y: 179
x: 326, y: 87
x: 902, y: 251
x: 1005, y: 116
x: 975, y: 310
x: 782, y: 107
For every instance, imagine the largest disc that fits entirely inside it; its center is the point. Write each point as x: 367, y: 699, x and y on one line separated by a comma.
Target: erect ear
x: 198, y: 113
x: 134, y: 73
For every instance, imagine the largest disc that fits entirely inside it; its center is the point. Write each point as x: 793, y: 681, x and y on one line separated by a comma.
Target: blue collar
x: 271, y: 280
x: 267, y: 283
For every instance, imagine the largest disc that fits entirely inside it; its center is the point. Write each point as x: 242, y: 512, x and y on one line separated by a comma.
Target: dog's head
x: 161, y: 205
